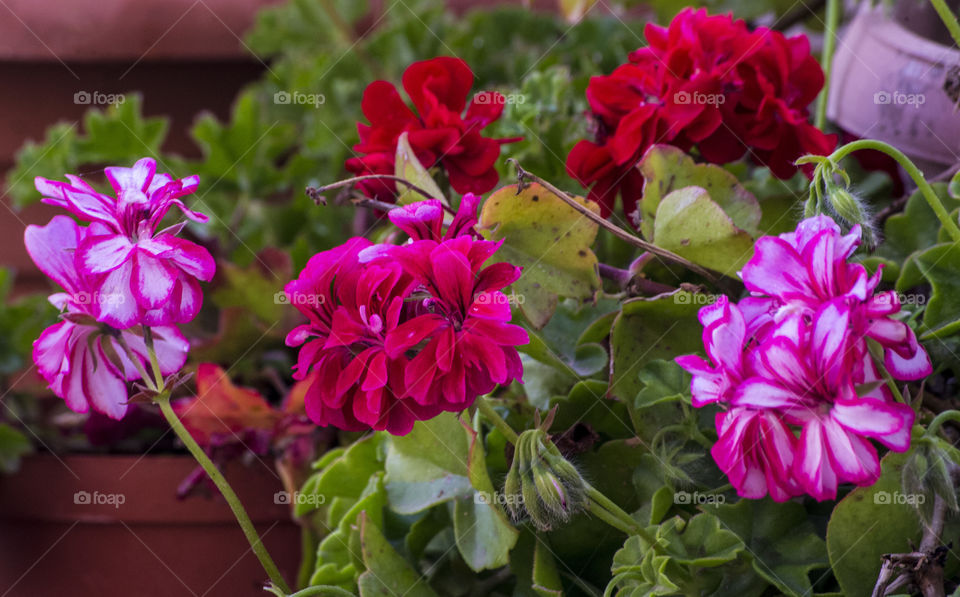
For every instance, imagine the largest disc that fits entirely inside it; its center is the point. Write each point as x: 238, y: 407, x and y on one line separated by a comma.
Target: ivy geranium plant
x: 707, y: 377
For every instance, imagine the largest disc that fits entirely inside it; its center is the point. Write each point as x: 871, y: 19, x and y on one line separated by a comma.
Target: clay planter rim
x: 878, y: 57
x: 48, y: 488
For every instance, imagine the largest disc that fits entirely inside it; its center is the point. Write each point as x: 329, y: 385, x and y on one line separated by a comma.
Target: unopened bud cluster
x: 547, y: 489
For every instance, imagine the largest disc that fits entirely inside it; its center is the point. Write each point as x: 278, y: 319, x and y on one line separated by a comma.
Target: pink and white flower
x: 790, y: 367
x: 152, y: 277
x: 83, y: 361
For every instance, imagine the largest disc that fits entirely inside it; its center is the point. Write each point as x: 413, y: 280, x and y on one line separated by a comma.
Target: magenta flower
x: 789, y: 366
x: 350, y: 309
x: 808, y: 380
x: 469, y: 345
x: 798, y: 271
x: 756, y: 450
x: 84, y: 362
x: 152, y: 276
x: 397, y: 334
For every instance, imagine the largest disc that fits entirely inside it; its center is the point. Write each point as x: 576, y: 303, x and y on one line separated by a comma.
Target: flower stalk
x: 925, y: 189
x: 162, y: 399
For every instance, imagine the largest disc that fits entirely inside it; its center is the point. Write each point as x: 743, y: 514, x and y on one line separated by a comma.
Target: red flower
x: 704, y: 81
x: 397, y: 334
x: 350, y: 308
x: 440, y: 135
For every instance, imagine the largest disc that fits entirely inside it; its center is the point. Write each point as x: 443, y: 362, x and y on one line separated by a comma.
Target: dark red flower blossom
x: 706, y: 82
x: 439, y: 132
x: 397, y: 334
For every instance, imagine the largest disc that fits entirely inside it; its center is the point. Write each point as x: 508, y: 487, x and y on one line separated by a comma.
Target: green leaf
x: 408, y: 167
x: 940, y: 265
x: 242, y: 155
x: 550, y: 240
x: 483, y: 533
x: 666, y: 168
x: 916, y: 227
x: 429, y: 465
x: 345, y: 476
x: 339, y: 561
x: 388, y: 574
x: 663, y: 381
x: 13, y: 446
x: 647, y: 329
x: 700, y: 541
x: 781, y: 542
x: 689, y: 223
x: 258, y: 288
x: 546, y: 577
x: 868, y: 523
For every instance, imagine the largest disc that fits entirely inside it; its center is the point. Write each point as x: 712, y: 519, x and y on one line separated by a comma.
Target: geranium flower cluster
x: 790, y: 366
x: 439, y: 134
x: 400, y: 333
x: 119, y: 274
x: 704, y: 81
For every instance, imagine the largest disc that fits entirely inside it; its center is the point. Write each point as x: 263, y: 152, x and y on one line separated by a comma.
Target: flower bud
x: 852, y: 210
x: 541, y: 485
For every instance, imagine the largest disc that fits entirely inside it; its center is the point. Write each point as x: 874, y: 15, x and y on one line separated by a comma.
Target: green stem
x: 488, y: 412
x: 163, y: 401
x: 949, y: 19
x: 614, y: 521
x: 154, y: 361
x: 939, y: 420
x: 826, y: 59
x: 925, y: 189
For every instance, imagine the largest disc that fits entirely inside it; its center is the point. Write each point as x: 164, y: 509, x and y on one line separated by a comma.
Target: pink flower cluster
x: 118, y: 273
x: 791, y: 368
x: 398, y: 334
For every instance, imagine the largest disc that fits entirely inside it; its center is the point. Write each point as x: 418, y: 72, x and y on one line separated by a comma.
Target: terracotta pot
x: 89, y: 526
x: 888, y: 84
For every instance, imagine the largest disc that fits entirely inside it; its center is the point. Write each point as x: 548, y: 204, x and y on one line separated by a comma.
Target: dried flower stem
x: 525, y: 177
